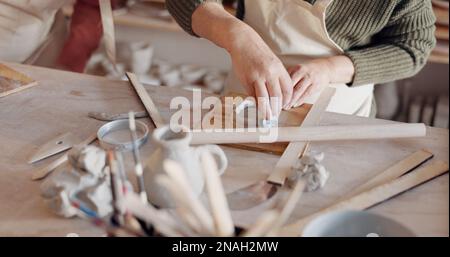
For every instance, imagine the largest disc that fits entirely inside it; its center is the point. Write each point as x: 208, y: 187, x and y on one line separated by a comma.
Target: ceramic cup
x: 355, y: 224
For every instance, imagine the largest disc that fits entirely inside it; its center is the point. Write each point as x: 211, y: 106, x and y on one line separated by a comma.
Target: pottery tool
x: 263, y: 224
x: 12, y: 81
x: 399, y: 169
x: 216, y: 195
x: 116, y: 188
x: 115, y: 135
x: 149, y: 105
x: 162, y: 221
x: 44, y: 172
x: 176, y: 174
x: 99, y: 222
x: 54, y: 146
x: 272, y: 220
x: 137, y: 159
x: 374, y: 196
x: 312, y: 134
x: 108, y: 30
x: 101, y: 116
x: 183, y: 208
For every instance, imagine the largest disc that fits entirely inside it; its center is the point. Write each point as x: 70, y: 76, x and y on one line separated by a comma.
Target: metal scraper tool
x: 54, y: 146
x: 262, y: 191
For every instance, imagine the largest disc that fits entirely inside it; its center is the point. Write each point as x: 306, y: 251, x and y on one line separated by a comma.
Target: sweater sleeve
x: 182, y: 11
x: 401, y: 49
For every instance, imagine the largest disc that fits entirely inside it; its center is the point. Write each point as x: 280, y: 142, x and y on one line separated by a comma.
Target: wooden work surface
x: 61, y: 102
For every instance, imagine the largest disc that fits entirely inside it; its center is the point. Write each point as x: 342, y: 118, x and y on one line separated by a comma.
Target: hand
x: 256, y: 66
x: 261, y: 73
x: 309, y: 78
x: 318, y: 74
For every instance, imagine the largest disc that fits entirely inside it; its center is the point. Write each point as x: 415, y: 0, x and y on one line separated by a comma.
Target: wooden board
x: 12, y: 81
x: 291, y: 118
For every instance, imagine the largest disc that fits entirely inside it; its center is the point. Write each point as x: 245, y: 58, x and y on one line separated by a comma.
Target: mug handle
x: 216, y: 151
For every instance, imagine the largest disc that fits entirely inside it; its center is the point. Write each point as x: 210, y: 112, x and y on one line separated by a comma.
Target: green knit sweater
x: 387, y: 40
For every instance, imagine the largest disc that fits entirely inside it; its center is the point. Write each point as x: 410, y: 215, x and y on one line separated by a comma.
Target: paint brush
x: 115, y: 187
x: 138, y: 169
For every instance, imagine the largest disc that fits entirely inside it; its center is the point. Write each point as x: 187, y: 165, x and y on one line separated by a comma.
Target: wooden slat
x: 374, y: 196
x: 108, y: 29
x: 404, y: 166
x: 149, y: 105
x: 294, y: 150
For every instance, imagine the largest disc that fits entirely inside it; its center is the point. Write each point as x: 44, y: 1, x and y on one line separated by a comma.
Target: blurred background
x: 153, y: 46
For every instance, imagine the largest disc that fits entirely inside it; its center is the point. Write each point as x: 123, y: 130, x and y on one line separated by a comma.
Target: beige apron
x: 296, y: 32
x: 29, y: 28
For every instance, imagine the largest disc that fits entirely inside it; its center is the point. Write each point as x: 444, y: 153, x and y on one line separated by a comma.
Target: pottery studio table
x: 62, y: 100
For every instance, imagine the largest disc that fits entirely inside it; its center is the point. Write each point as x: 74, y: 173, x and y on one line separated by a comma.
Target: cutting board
x: 12, y: 81
x: 291, y: 118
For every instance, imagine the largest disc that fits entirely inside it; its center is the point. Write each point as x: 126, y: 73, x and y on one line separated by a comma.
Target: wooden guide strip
x: 373, y: 196
x: 294, y: 150
x: 150, y: 106
x: 401, y: 168
x: 108, y: 29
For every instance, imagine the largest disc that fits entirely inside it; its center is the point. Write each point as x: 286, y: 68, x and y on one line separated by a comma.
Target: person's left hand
x: 309, y: 78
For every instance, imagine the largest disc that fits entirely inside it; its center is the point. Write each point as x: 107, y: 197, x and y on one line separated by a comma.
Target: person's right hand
x: 261, y: 72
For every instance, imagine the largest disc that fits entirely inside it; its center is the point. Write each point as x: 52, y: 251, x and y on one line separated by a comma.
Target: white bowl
x: 355, y: 224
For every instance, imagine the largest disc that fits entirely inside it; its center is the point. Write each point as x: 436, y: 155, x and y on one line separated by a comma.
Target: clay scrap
x: 83, y: 178
x: 311, y: 169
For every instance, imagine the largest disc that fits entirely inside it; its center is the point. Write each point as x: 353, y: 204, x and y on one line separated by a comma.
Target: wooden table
x: 61, y: 101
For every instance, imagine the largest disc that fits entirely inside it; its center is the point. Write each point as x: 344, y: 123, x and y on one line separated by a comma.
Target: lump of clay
x: 82, y: 178
x: 311, y: 169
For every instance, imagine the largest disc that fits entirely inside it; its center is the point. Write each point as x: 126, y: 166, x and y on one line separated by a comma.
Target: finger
x: 262, y: 98
x: 276, y: 97
x: 307, y: 93
x: 297, y: 95
x: 297, y: 73
x: 287, y: 89
x: 301, y: 88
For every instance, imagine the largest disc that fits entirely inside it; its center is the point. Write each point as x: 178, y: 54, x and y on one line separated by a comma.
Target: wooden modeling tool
x: 224, y: 226
x: 189, y: 199
x: 44, y: 172
x: 137, y: 159
x: 108, y: 30
x: 149, y: 105
x: 260, y: 192
x: 54, y: 146
x: 101, y: 116
x: 373, y: 196
x: 12, y: 81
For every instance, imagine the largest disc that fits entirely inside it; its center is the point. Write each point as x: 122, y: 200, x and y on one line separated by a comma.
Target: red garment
x: 85, y: 34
